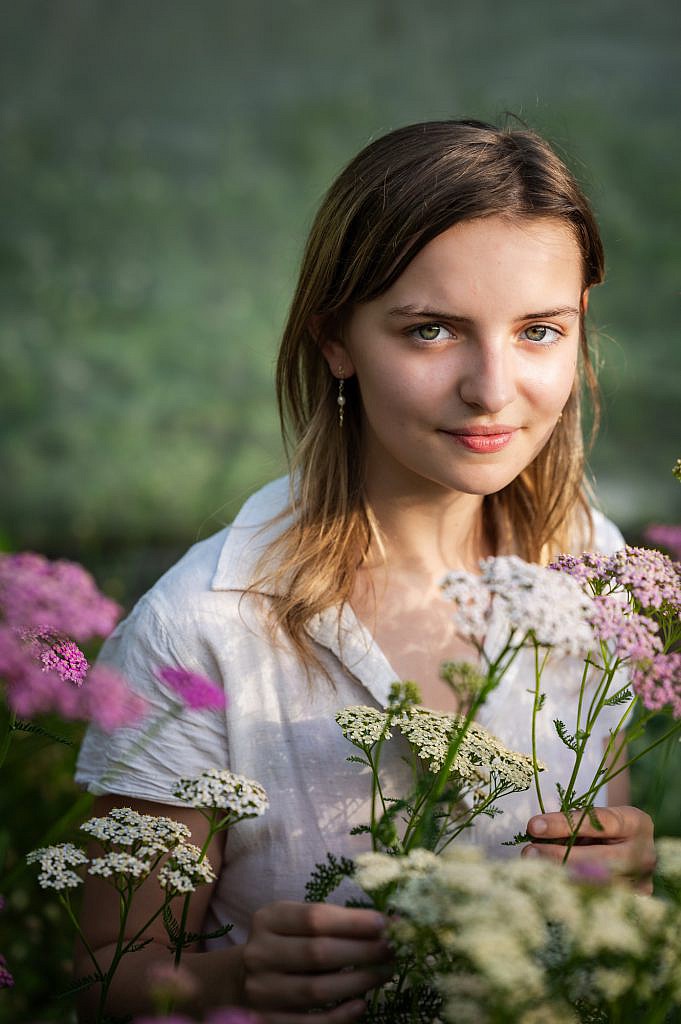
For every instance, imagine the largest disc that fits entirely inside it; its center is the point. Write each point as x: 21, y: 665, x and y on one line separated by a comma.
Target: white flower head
x: 126, y: 864
x: 363, y: 726
x: 225, y: 790
x: 56, y: 863
x: 145, y: 834
x: 552, y: 606
x: 669, y: 859
x: 183, y: 871
x: 480, y: 756
x: 472, y: 600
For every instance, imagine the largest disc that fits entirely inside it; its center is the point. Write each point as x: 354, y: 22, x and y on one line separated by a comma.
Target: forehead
x: 494, y: 258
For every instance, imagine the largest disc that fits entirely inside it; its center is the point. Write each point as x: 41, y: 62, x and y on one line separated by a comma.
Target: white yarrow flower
x: 56, y: 863
x: 225, y: 790
x: 551, y: 606
x: 120, y: 864
x: 363, y: 726
x: 183, y: 871
x: 124, y: 827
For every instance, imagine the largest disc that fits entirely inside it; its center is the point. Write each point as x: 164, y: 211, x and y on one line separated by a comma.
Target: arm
x: 298, y: 956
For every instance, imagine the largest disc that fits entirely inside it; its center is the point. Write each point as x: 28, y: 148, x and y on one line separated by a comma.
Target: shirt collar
x: 259, y: 523
x: 262, y: 519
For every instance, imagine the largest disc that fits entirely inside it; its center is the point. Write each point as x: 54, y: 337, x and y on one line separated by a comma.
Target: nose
x: 488, y: 381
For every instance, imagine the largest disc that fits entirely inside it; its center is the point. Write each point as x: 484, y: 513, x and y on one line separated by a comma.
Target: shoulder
x: 223, y: 563
x: 607, y: 537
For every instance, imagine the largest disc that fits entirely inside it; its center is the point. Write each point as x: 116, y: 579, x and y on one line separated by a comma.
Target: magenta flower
x: 108, y: 700
x: 665, y: 536
x: 658, y: 683
x: 6, y: 979
x: 57, y: 654
x: 59, y: 596
x: 194, y: 690
x: 650, y: 577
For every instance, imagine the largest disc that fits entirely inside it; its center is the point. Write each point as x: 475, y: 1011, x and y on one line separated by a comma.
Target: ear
x: 585, y: 300
x: 333, y: 349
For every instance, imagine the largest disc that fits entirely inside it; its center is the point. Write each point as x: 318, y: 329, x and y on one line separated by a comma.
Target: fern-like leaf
x: 326, y: 877
x: 567, y: 738
x: 619, y: 698
x: 37, y: 730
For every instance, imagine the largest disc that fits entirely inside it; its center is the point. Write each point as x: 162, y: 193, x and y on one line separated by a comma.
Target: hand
x: 305, y: 956
x: 624, y: 846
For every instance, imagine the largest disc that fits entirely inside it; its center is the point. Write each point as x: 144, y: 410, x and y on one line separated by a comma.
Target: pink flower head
x: 658, y: 683
x: 6, y: 979
x: 57, y: 654
x: 664, y: 536
x: 194, y: 690
x: 108, y: 700
x: 59, y: 596
x: 585, y: 568
x: 593, y: 872
x: 632, y: 635
x: 651, y: 578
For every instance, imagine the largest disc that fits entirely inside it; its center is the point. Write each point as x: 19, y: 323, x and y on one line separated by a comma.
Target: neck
x: 427, y: 534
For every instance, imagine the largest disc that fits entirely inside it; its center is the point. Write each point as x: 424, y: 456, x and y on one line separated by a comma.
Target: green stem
x: 535, y: 711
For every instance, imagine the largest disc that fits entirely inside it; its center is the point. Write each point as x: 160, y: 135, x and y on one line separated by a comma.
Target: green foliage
x: 326, y: 877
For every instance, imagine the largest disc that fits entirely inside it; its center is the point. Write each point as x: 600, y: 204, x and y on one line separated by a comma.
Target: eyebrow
x: 438, y: 314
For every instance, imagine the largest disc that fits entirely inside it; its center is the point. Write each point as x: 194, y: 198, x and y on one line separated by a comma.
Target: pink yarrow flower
x: 60, y: 596
x: 631, y: 635
x: 658, y: 683
x: 194, y: 690
x: 665, y: 536
x: 6, y: 979
x: 41, y: 680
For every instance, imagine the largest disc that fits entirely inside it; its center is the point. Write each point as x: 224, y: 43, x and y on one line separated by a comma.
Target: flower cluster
x: 59, y: 596
x: 523, y: 941
x: 194, y: 690
x: 553, y: 610
x: 480, y: 755
x: 635, y: 611
x: 363, y: 726
x: 6, y: 979
x: 56, y: 864
x: 665, y: 536
x: 42, y: 605
x: 184, y: 870
x: 224, y: 790
x: 149, y: 834
x: 649, y: 578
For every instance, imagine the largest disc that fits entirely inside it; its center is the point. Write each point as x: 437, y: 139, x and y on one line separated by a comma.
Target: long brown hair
x: 400, y: 192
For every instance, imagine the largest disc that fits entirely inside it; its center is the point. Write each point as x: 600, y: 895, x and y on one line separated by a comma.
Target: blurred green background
x: 161, y: 161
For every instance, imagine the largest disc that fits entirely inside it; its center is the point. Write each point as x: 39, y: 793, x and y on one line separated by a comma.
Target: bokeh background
x: 161, y: 161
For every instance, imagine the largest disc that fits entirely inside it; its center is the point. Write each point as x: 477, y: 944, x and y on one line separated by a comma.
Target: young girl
x: 429, y: 382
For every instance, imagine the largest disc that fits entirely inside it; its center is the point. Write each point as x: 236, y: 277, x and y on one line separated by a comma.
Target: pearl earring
x: 340, y: 400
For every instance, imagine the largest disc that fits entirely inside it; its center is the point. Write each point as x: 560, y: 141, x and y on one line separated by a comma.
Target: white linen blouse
x: 279, y: 729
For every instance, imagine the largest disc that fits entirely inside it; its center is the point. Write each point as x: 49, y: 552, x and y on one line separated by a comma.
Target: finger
x: 616, y: 859
x: 616, y: 823
x: 282, y: 992
x: 289, y: 918
x: 313, y: 954
x: 346, y: 1013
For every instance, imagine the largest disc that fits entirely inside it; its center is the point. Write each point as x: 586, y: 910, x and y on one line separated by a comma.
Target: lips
x: 491, y: 438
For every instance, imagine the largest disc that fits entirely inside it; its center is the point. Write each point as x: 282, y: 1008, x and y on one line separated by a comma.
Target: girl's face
x: 466, y: 362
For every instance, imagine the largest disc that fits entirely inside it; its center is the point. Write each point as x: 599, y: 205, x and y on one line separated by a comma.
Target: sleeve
x: 168, y: 743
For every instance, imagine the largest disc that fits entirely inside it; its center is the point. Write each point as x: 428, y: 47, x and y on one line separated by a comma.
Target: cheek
x: 549, y: 386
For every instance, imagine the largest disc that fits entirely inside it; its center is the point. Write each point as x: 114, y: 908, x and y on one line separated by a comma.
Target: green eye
x: 541, y: 334
x: 536, y: 333
x: 429, y: 332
